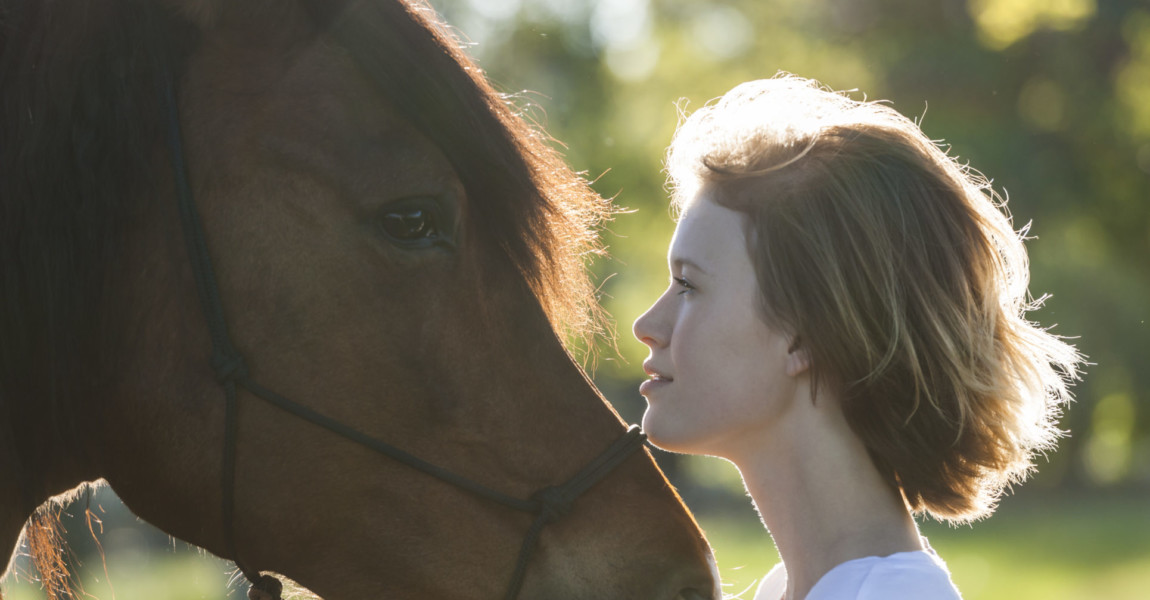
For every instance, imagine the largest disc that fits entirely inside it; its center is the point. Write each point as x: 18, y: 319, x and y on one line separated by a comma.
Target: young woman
x: 846, y: 324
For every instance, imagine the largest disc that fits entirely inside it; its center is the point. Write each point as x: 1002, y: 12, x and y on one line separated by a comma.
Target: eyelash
x: 686, y: 285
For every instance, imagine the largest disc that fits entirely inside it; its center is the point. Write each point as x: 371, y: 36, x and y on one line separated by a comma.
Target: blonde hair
x: 902, y: 276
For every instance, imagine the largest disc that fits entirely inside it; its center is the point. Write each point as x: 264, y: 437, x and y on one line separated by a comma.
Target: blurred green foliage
x: 1065, y: 549
x: 1050, y: 99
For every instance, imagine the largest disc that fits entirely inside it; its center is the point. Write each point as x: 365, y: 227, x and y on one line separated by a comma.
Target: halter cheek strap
x: 549, y: 504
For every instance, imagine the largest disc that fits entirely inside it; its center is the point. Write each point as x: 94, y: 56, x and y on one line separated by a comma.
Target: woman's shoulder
x: 918, y: 575
x: 773, y: 585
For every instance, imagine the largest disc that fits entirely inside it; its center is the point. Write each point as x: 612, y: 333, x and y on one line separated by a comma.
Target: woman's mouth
x: 656, y: 381
x: 648, y: 387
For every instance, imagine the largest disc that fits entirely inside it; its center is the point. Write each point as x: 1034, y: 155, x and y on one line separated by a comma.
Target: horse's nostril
x: 692, y: 594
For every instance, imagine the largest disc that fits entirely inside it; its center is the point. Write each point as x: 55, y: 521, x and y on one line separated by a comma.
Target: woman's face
x: 718, y: 373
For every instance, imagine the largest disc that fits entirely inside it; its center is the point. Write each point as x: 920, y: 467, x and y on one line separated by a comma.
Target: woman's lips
x: 656, y: 381
x: 653, y: 384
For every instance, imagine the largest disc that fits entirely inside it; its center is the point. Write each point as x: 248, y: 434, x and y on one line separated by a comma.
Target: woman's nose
x: 647, y: 327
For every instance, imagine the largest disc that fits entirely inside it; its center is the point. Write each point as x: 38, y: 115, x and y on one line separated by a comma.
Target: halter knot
x: 229, y: 368
x: 554, y: 503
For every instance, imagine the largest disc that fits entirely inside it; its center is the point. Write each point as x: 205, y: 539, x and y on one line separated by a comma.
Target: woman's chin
x: 670, y: 435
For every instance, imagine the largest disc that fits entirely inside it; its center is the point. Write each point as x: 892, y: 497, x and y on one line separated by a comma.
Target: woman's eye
x: 683, y: 284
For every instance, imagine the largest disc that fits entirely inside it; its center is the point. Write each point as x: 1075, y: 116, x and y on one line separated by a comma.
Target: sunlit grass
x: 1064, y: 549
x: 165, y: 576
x: 1034, y: 549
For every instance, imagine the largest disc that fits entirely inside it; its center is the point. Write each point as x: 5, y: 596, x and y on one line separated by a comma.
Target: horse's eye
x: 410, y: 224
x: 415, y: 223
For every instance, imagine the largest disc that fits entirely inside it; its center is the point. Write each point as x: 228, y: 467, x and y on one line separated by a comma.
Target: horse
x: 387, y: 247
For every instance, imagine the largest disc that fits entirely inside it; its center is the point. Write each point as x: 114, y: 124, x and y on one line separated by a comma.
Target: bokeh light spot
x: 1108, y: 451
x: 722, y: 32
x: 1042, y: 103
x: 1004, y: 22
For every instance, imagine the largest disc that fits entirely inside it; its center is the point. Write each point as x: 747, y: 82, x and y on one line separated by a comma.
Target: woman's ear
x: 798, y: 358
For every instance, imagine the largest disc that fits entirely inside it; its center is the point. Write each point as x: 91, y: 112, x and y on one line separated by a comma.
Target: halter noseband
x: 548, y: 504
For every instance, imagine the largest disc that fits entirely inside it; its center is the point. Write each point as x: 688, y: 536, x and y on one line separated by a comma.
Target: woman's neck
x: 820, y: 496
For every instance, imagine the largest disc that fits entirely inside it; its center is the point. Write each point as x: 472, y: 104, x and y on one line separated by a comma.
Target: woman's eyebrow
x: 677, y: 263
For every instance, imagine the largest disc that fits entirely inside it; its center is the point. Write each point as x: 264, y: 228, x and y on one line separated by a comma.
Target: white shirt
x: 918, y: 575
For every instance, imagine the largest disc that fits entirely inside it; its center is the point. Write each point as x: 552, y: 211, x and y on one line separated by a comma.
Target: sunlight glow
x: 723, y: 32
x: 1042, y: 103
x: 1108, y: 450
x: 1003, y: 22
x: 1133, y: 81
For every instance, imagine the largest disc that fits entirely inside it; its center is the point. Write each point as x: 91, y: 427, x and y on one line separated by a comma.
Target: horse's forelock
x: 522, y: 193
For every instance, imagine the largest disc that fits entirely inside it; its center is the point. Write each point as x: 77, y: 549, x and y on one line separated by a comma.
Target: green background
x: 1048, y: 98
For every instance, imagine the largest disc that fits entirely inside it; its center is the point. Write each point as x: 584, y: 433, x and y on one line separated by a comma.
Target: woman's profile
x: 846, y: 323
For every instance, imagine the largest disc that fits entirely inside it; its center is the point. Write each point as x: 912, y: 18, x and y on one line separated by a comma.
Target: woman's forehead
x: 707, y: 237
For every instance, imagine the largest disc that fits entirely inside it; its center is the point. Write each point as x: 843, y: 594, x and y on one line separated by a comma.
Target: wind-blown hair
x: 902, y: 276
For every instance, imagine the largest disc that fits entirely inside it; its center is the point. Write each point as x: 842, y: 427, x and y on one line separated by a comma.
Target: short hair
x: 899, y: 271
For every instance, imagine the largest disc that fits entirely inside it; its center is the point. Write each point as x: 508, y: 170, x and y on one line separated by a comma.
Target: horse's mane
x: 541, y: 213
x: 79, y: 116
x: 80, y: 119
x: 78, y: 137
x: 78, y: 122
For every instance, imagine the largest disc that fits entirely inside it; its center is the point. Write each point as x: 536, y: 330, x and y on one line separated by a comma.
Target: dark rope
x: 556, y: 502
x: 225, y: 360
x: 386, y: 449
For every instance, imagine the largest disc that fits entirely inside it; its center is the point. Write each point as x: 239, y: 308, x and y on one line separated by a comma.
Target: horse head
x: 395, y: 250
